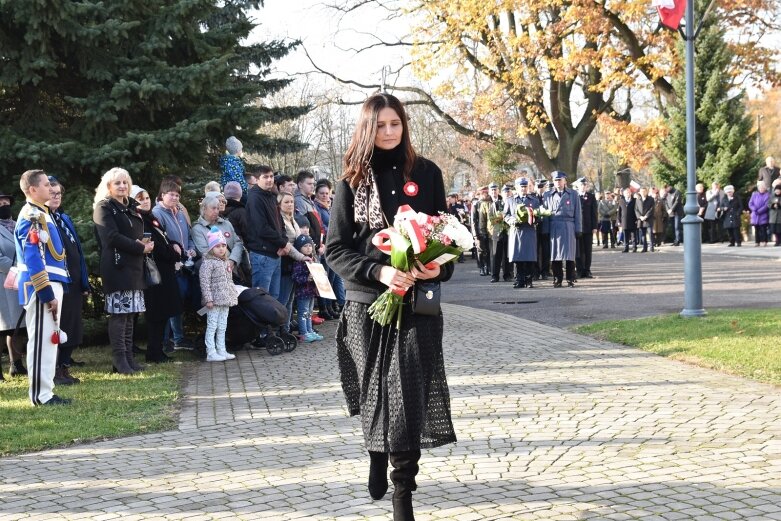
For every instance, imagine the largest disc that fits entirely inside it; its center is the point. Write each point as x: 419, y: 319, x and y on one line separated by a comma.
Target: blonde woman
x: 120, y: 231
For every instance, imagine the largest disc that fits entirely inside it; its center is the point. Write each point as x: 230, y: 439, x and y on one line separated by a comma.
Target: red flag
x: 670, y: 12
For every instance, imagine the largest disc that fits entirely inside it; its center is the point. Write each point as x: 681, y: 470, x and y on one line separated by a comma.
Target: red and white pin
x: 410, y: 189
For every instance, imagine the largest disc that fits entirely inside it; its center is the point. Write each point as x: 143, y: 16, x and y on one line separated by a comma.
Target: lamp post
x: 692, y: 223
x: 759, y: 133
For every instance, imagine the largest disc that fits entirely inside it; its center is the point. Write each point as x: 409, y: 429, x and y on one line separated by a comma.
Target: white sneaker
x: 214, y: 358
x: 227, y: 356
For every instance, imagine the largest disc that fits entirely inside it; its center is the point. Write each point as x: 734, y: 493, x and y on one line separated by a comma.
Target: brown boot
x: 66, y: 373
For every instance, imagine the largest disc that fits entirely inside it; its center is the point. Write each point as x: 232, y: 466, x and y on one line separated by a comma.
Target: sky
x: 317, y: 25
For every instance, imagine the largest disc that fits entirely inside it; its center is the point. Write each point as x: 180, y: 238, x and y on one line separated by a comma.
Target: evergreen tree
x: 723, y: 131
x: 154, y: 87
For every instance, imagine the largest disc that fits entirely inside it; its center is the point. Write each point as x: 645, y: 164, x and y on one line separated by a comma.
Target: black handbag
x: 426, y: 298
x: 151, y: 271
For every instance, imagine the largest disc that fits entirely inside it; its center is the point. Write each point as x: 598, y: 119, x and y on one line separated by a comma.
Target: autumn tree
x: 539, y: 74
x: 766, y: 110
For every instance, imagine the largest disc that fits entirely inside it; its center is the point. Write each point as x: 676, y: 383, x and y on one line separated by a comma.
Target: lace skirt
x: 395, y: 379
x: 125, y: 301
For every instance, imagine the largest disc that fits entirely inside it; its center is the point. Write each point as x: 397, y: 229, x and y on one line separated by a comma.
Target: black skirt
x: 395, y: 379
x: 71, y: 319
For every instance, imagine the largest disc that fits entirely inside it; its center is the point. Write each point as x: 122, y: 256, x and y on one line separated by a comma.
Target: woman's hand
x: 148, y: 246
x: 396, y: 280
x: 209, y: 305
x: 421, y: 272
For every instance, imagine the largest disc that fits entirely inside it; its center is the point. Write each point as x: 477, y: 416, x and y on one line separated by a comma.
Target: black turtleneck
x: 388, y: 167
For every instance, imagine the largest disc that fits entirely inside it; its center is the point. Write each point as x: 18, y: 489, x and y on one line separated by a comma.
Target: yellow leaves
x: 632, y: 143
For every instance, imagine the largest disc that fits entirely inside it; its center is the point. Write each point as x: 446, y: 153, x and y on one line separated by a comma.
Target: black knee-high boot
x: 378, y: 474
x: 405, y: 468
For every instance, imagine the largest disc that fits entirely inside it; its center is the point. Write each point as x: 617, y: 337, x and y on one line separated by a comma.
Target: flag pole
x: 692, y: 223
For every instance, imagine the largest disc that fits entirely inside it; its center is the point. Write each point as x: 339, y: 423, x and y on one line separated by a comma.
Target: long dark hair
x: 359, y: 153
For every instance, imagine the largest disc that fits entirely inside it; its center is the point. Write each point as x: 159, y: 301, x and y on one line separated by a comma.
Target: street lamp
x: 759, y: 133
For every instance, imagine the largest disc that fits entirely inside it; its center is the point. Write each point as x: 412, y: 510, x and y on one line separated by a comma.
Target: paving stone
x: 551, y: 425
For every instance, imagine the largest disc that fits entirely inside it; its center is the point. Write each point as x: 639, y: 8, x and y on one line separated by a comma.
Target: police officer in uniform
x: 42, y: 273
x: 522, y: 241
x: 588, y: 205
x: 566, y: 226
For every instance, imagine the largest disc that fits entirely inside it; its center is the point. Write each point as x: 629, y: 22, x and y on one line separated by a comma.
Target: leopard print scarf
x: 367, y: 202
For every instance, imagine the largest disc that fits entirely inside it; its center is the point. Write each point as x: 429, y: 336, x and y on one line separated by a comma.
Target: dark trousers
x: 543, y: 254
x: 585, y: 252
x: 627, y: 235
x: 558, y: 272
x: 760, y: 233
x: 713, y: 229
x: 677, y: 228
x: 483, y: 253
x: 525, y: 271
x: 734, y: 236
x: 155, y: 327
x: 500, y: 261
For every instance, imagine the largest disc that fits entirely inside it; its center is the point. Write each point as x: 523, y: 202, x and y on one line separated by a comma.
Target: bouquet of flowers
x: 542, y: 212
x: 416, y: 236
x: 524, y: 214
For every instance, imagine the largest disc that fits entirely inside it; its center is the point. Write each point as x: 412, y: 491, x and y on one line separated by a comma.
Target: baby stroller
x: 256, y: 313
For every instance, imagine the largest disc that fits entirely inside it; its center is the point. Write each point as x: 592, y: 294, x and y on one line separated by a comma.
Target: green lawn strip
x: 744, y: 342
x: 104, y: 405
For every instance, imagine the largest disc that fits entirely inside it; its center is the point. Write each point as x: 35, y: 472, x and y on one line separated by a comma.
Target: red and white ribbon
x: 408, y: 218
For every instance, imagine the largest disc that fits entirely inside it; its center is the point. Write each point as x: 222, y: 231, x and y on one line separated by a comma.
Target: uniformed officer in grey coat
x: 522, y: 241
x: 566, y: 225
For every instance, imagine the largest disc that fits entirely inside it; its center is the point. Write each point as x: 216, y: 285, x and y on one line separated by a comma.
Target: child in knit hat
x: 306, y: 291
x: 218, y: 295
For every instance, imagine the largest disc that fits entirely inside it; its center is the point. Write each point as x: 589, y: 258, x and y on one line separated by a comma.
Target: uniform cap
x: 558, y: 174
x: 493, y: 185
x: 507, y: 188
x: 522, y: 181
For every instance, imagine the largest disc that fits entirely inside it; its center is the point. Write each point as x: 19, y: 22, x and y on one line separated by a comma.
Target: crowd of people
x: 254, y: 229
x: 574, y: 220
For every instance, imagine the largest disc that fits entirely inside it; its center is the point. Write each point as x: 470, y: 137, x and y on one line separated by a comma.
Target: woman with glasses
x: 72, y: 299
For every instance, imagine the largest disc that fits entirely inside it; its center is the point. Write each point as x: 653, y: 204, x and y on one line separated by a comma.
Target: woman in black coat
x: 732, y: 208
x: 120, y: 232
x: 382, y: 172
x: 159, y: 304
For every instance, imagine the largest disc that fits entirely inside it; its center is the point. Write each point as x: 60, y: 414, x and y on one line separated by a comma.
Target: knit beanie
x: 215, y: 237
x: 232, y: 190
x: 302, y: 240
x: 233, y: 145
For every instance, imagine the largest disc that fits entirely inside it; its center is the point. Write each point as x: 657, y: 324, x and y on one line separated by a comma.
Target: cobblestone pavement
x: 551, y: 426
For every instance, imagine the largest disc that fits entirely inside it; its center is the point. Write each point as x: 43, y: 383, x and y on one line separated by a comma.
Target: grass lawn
x: 744, y: 342
x: 104, y: 405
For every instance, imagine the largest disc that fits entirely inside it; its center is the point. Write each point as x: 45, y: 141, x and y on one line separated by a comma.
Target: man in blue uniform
x: 522, y: 243
x: 42, y: 273
x: 566, y: 226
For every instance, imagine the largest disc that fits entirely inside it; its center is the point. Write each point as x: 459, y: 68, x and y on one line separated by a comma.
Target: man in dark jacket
x: 588, y: 205
x: 627, y: 218
x: 266, y: 239
x: 768, y: 173
x: 644, y: 210
x: 674, y: 206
